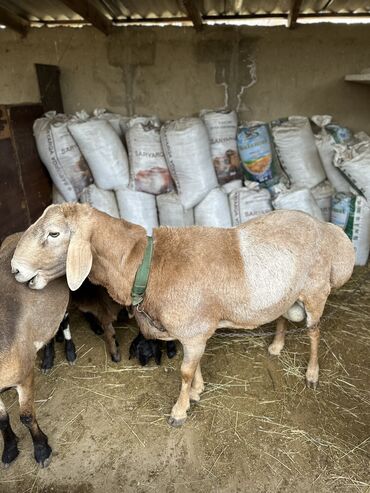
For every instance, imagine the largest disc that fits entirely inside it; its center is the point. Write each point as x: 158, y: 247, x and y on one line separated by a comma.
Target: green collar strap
x: 142, y: 274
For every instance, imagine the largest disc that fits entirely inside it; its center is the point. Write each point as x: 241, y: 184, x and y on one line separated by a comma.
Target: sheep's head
x: 56, y: 244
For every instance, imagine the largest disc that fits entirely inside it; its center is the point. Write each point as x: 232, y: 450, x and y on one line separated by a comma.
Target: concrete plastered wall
x: 265, y: 73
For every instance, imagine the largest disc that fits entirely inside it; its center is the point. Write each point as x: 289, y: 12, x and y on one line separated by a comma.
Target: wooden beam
x: 192, y: 9
x: 13, y: 21
x: 87, y: 10
x: 295, y: 7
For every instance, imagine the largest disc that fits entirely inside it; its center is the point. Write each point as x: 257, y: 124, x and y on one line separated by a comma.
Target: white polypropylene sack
x: 186, y: 148
x: 214, y: 210
x: 282, y: 186
x: 222, y: 126
x: 103, y: 151
x: 172, y: 213
x: 57, y: 197
x: 298, y: 200
x: 323, y: 194
x: 362, y: 137
x: 338, y: 133
x: 231, y: 186
x: 354, y: 162
x: 103, y: 200
x: 138, y: 208
x: 148, y: 168
x: 117, y: 121
x: 144, y: 120
x: 124, y: 126
x: 61, y: 155
x: 299, y: 157
x: 352, y: 214
x: 249, y: 202
x: 325, y: 145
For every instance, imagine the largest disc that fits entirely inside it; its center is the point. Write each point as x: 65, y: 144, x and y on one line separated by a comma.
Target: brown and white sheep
x: 200, y: 278
x: 28, y: 320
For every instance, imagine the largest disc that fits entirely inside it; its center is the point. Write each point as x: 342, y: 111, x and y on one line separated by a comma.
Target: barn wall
x: 264, y: 72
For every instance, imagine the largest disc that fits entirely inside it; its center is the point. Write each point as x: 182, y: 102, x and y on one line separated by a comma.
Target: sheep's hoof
x: 46, y: 462
x: 312, y: 384
x: 176, y: 422
x: 116, y: 357
x: 45, y: 371
x: 312, y: 377
x: 275, y: 349
x: 9, y: 456
x: 72, y: 362
x: 71, y: 358
x: 43, y: 455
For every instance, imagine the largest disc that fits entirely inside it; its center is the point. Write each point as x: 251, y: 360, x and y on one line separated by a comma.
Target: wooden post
x: 13, y: 21
x: 88, y: 11
x: 295, y: 7
x: 192, y: 9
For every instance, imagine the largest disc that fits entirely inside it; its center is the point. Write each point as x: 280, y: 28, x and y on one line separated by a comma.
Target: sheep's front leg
x: 192, y: 354
x: 279, y: 339
x: 42, y: 450
x: 48, y: 357
x: 312, y: 373
x: 111, y: 342
x: 69, y: 346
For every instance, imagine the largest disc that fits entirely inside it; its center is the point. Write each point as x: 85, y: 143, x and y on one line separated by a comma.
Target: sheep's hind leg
x: 312, y: 373
x: 314, y: 305
x: 42, y: 450
x: 193, y: 351
x: 197, y: 385
x: 279, y: 339
x: 10, y: 451
x: 93, y: 323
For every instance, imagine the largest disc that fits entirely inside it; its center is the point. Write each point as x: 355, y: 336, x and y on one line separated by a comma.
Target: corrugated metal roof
x: 36, y: 10
x: 20, y: 15
x: 122, y: 10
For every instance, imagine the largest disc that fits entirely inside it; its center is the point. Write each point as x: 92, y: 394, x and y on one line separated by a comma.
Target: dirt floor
x: 256, y: 429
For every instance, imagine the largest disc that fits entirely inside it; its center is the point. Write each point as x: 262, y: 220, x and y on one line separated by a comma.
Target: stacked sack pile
x: 190, y: 171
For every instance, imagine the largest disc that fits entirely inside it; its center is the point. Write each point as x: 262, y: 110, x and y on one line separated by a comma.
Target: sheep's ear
x: 79, y: 261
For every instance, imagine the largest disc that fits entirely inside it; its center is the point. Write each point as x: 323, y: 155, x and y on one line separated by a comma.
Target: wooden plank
x: 361, y: 78
x: 295, y: 7
x: 13, y: 205
x: 50, y: 93
x: 34, y: 177
x: 192, y: 9
x: 13, y: 21
x: 88, y: 11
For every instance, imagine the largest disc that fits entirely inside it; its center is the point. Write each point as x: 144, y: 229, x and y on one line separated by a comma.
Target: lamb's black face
x: 144, y: 350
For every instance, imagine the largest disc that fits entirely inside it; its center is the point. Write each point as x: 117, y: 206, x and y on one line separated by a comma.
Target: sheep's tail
x: 343, y: 256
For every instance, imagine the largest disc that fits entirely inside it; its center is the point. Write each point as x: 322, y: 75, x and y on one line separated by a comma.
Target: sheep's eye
x: 54, y: 235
